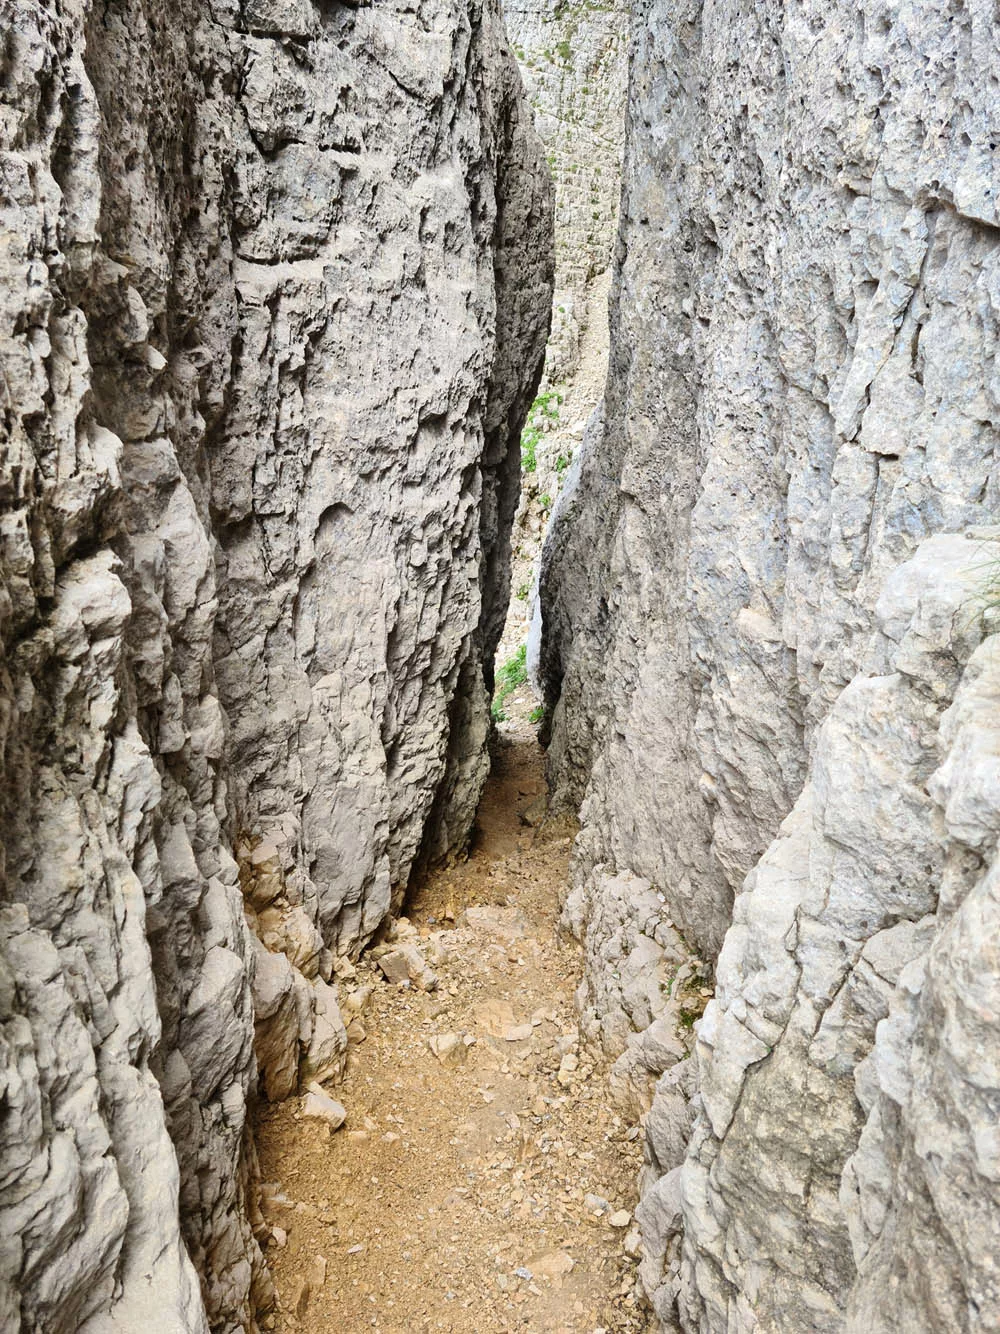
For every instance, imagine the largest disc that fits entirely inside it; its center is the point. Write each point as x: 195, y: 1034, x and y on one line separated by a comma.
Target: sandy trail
x: 454, y: 1197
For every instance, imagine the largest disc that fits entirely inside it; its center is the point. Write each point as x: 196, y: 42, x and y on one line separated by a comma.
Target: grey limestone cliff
x: 573, y: 56
x: 768, y: 603
x: 274, y: 291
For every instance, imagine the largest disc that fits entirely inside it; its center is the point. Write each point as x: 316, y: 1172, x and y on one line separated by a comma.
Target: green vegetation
x: 563, y: 462
x: 545, y: 502
x: 545, y: 409
x: 991, y: 593
x: 513, y: 673
x: 537, y: 714
x: 523, y: 592
x: 529, y: 443
x: 984, y: 604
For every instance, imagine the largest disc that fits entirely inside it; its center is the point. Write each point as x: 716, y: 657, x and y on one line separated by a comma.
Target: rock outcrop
x: 573, y: 59
x: 275, y: 286
x: 767, y: 645
x: 573, y: 56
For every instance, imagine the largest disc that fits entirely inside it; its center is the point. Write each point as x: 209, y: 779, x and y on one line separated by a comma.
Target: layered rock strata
x: 275, y: 285
x: 767, y: 602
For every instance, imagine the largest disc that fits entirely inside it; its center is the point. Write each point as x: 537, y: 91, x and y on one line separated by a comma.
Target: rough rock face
x: 764, y: 595
x: 573, y: 56
x: 275, y: 284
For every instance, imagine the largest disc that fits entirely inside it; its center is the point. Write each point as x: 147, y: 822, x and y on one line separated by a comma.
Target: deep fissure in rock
x: 275, y: 287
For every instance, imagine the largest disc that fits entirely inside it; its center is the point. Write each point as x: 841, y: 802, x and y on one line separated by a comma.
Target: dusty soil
x: 454, y: 1196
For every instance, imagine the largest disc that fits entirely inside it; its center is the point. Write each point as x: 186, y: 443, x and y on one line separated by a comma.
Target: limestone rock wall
x: 766, y: 601
x: 573, y: 57
x: 274, y: 289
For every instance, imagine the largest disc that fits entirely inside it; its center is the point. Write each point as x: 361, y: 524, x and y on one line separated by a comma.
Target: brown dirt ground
x: 453, y: 1199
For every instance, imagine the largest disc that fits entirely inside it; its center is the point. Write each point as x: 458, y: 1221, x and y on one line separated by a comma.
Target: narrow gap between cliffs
x: 470, y: 1171
x: 480, y: 1179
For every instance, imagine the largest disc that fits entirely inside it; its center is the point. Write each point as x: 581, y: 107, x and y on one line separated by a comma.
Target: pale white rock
x: 573, y: 59
x: 275, y: 281
x: 317, y: 1105
x: 764, y: 585
x: 448, y: 1048
x: 518, y: 1033
x: 407, y: 964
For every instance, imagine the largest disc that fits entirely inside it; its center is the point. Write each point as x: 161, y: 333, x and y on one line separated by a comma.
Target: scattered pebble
x: 318, y: 1105
x: 469, y: 1191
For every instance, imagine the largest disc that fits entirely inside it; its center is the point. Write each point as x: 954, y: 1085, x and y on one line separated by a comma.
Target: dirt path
x: 486, y: 1188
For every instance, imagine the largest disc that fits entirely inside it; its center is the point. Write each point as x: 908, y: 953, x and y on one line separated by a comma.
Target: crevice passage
x: 481, y: 1179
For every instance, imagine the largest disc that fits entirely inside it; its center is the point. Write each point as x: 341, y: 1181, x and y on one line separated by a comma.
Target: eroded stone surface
x: 573, y: 58
x: 274, y: 287
x: 764, y: 583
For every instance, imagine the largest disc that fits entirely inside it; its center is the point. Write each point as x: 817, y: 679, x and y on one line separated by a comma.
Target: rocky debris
x: 536, y: 812
x: 275, y: 1206
x: 553, y: 1265
x: 318, y: 1104
x: 309, y: 1286
x: 502, y: 924
x: 764, y: 583
x: 325, y: 1055
x: 406, y: 964
x: 478, y: 1194
x: 449, y: 1048
x: 274, y: 289
x: 518, y: 1033
x: 494, y: 1015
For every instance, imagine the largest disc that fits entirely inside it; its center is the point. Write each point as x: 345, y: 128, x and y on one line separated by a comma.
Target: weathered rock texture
x: 764, y: 596
x: 573, y: 56
x: 274, y: 288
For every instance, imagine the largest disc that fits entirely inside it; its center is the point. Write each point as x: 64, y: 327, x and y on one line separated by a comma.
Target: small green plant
x: 529, y: 444
x: 563, y: 462
x: 984, y: 604
x: 523, y: 592
x: 513, y: 673
x: 537, y: 714
x: 565, y: 50
x: 991, y: 593
x: 545, y: 409
x: 545, y: 502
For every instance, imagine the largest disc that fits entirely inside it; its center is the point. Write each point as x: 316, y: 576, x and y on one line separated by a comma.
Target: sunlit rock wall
x: 573, y: 57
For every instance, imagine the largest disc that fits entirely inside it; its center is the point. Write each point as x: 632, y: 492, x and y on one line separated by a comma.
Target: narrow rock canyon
x: 386, y: 389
